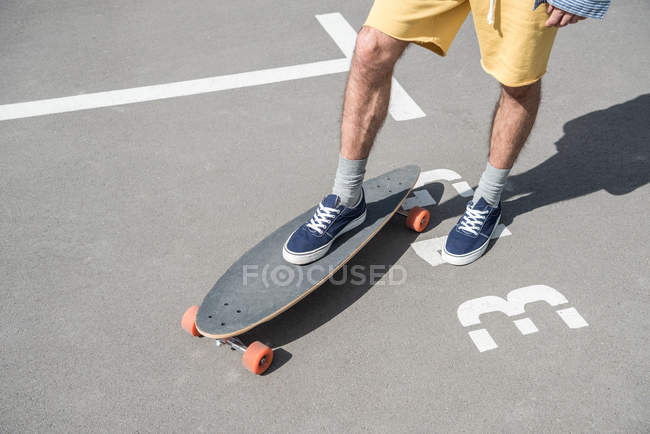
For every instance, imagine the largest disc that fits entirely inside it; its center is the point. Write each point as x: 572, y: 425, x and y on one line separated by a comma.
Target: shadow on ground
x: 344, y: 288
x: 603, y: 150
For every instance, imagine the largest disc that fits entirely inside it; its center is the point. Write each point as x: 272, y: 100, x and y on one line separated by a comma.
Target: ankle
x: 491, y: 185
x: 349, y: 179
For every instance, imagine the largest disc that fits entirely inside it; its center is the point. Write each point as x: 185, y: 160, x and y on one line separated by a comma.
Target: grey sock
x: 349, y: 177
x: 491, y: 185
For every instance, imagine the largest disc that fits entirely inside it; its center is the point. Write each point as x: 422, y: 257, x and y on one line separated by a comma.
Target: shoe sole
x: 470, y: 257
x: 316, y: 254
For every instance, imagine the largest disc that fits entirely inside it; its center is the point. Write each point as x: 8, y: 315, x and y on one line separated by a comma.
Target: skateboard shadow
x: 347, y: 285
x: 280, y: 357
x: 603, y: 150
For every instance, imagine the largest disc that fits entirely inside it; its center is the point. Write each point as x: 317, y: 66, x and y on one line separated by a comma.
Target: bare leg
x: 366, y: 102
x: 514, y: 117
x: 368, y: 91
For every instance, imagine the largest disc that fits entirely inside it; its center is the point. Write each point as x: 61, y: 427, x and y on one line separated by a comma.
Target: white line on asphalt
x: 526, y: 326
x: 482, y: 340
x: 463, y: 189
x: 340, y: 30
x: 170, y: 90
x: 430, y: 250
x: 402, y: 106
x: 435, y: 175
x: 572, y: 318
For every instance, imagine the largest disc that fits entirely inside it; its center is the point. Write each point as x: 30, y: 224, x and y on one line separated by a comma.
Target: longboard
x: 261, y: 284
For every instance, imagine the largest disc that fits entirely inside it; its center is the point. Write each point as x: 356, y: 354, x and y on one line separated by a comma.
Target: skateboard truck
x: 235, y: 344
x: 256, y: 357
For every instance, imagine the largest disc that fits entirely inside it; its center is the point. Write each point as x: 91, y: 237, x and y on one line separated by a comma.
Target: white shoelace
x: 490, y: 16
x: 322, y: 218
x: 473, y: 220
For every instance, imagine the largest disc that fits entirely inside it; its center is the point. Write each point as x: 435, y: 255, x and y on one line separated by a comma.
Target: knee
x: 530, y: 92
x: 376, y: 51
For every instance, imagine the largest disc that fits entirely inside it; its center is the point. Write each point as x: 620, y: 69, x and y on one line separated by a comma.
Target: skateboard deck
x: 261, y: 284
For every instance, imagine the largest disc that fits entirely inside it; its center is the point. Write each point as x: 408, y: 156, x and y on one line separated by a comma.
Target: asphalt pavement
x: 120, y: 209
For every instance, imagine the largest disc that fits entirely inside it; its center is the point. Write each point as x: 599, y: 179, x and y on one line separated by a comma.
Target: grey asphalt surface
x: 114, y: 220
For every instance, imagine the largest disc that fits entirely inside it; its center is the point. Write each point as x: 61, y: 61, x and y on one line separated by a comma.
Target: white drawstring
x: 490, y: 17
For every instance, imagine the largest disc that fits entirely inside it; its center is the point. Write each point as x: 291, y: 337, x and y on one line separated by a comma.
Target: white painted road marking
x: 572, y: 318
x: 463, y: 189
x: 435, y: 175
x: 429, y: 250
x: 170, y: 90
x: 340, y: 30
x: 526, y: 326
x: 515, y: 303
x: 402, y: 106
x: 482, y: 340
x: 431, y: 176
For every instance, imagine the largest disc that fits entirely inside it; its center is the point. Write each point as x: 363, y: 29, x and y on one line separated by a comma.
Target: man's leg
x: 514, y: 117
x: 512, y: 122
x: 364, y: 109
x: 366, y: 103
x: 368, y: 91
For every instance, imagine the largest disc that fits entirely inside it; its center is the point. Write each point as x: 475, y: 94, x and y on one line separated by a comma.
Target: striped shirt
x: 584, y: 8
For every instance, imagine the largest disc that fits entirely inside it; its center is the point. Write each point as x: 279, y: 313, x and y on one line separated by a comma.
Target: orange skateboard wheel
x: 189, y: 321
x: 257, y: 358
x: 417, y: 219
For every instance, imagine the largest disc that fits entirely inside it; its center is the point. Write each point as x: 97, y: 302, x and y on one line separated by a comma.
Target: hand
x: 559, y: 18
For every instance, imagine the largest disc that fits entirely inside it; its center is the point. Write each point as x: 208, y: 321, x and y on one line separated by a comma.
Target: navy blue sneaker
x: 312, y: 240
x: 469, y: 239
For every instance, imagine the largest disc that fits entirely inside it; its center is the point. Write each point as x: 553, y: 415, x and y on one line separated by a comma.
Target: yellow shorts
x: 514, y: 50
